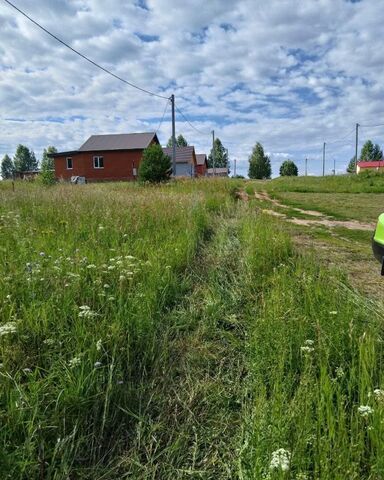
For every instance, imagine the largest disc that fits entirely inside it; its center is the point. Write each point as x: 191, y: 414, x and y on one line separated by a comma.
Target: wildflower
x: 86, y: 312
x: 120, y: 382
x: 7, y: 328
x: 280, y: 460
x: 379, y: 395
x: 111, y: 299
x: 339, y: 372
x: 91, y: 266
x: 106, y: 285
x: 365, y: 410
x: 49, y: 341
x: 27, y: 370
x: 125, y: 235
x: 8, y: 297
x: 101, y: 228
x: 74, y: 362
x: 309, y: 343
x: 99, y: 345
x: 42, y: 254
x: 111, y: 267
x: 97, y: 364
x: 333, y: 312
x: 121, y: 278
x: 307, y: 349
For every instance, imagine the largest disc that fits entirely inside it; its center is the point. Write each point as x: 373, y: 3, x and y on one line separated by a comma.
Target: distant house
x: 201, y: 165
x: 185, y: 160
x: 26, y: 174
x: 377, y: 166
x: 104, y: 157
x: 217, y: 172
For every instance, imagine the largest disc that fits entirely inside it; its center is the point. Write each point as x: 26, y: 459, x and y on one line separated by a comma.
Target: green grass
x: 189, y: 362
x: 344, y: 206
x: 369, y: 182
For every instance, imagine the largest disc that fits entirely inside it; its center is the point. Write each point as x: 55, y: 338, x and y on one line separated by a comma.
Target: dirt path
x: 320, y: 220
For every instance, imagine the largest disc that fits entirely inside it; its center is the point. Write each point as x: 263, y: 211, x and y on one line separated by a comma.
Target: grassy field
x: 176, y: 332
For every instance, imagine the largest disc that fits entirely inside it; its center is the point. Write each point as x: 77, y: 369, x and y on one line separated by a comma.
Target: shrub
x: 155, y: 165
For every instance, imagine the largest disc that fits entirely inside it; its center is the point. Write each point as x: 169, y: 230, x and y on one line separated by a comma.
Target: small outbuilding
x: 201, y: 164
x: 185, y: 160
x: 376, y: 166
x: 217, y: 172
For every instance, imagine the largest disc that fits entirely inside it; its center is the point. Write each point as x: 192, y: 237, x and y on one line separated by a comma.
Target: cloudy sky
x: 288, y: 73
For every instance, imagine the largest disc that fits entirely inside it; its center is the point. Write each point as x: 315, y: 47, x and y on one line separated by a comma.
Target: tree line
x: 24, y: 160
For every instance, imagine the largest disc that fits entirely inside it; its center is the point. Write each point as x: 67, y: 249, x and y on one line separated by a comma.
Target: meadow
x: 175, y: 331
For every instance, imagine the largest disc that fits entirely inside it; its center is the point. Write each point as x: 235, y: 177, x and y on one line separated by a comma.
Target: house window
x: 98, y: 162
x: 69, y: 163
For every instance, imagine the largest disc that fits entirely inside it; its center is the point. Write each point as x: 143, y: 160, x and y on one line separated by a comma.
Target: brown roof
x: 201, y: 158
x: 183, y: 154
x: 122, y: 141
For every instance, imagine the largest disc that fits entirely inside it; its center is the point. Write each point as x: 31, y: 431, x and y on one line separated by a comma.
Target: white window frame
x: 96, y: 162
x: 66, y: 160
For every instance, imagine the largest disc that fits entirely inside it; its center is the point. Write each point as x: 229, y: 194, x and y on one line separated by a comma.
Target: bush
x: 155, y: 165
x: 288, y: 169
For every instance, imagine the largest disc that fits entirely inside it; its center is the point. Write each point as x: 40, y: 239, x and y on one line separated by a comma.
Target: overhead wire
x: 186, y: 119
x: 162, y: 118
x: 341, y: 139
x: 82, y: 55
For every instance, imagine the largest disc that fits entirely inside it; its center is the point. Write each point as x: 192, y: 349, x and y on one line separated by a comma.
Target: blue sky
x: 288, y: 73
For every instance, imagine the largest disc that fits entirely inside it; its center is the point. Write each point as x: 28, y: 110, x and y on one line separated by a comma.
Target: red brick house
x: 201, y: 165
x: 104, y: 157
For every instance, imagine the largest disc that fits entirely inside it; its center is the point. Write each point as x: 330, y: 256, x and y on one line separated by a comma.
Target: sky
x: 290, y: 74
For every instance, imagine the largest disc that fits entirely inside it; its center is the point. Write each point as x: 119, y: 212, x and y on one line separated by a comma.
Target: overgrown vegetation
x: 172, y: 332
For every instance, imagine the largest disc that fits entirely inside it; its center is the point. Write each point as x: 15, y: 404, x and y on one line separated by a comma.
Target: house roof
x: 122, y: 141
x: 377, y: 163
x: 183, y: 154
x: 201, y: 158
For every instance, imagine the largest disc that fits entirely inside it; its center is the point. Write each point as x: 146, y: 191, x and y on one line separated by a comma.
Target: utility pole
x: 173, y: 136
x: 234, y: 169
x: 213, y: 153
x: 306, y: 165
x: 356, y: 145
x: 324, y: 158
x: 334, y: 166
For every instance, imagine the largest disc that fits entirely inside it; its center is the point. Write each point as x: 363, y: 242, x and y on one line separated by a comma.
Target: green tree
x: 24, y: 159
x: 7, y: 167
x: 259, y: 163
x: 155, y: 165
x: 180, y: 141
x: 47, y: 167
x: 370, y: 152
x: 288, y: 169
x: 352, y: 165
x: 221, y: 156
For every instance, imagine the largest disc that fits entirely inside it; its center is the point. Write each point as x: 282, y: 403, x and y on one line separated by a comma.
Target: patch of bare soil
x: 321, y: 219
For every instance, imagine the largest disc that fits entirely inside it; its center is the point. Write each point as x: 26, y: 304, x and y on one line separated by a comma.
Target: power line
x: 84, y: 56
x: 186, y: 119
x: 343, y: 138
x: 162, y: 118
x: 372, y: 126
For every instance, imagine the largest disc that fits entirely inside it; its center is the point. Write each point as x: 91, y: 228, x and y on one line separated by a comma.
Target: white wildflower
x: 42, y: 254
x: 379, y: 395
x: 74, y: 362
x: 111, y: 299
x: 106, y: 285
x: 333, y: 312
x: 340, y: 372
x: 7, y: 328
x: 306, y: 349
x: 8, y: 297
x: 121, y: 278
x: 97, y: 364
x: 111, y: 267
x: 86, y: 312
x: 91, y: 266
x: 27, y: 370
x: 309, y: 343
x: 365, y: 410
x: 100, y: 227
x: 280, y: 460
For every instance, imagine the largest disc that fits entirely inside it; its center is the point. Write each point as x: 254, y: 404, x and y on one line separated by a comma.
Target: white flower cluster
x: 74, y: 362
x: 8, y: 328
x: 365, y: 410
x: 86, y: 312
x: 281, y: 460
x: 308, y: 346
x: 379, y: 395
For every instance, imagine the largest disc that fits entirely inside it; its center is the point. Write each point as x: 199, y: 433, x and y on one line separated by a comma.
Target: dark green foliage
x: 7, y: 167
x: 155, y: 165
x: 288, y: 169
x: 352, y: 165
x: 259, y: 163
x: 370, y: 152
x: 221, y: 156
x: 24, y: 159
x: 47, y: 167
x: 180, y: 142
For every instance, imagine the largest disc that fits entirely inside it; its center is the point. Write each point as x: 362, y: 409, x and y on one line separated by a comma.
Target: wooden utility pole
x: 324, y: 158
x: 173, y: 136
x: 234, y: 169
x: 306, y: 166
x: 213, y: 153
x: 356, y: 145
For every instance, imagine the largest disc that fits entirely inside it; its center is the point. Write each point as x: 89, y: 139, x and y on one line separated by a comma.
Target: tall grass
x: 171, y: 332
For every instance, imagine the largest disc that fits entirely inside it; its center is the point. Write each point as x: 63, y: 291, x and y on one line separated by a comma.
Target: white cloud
x: 290, y: 74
